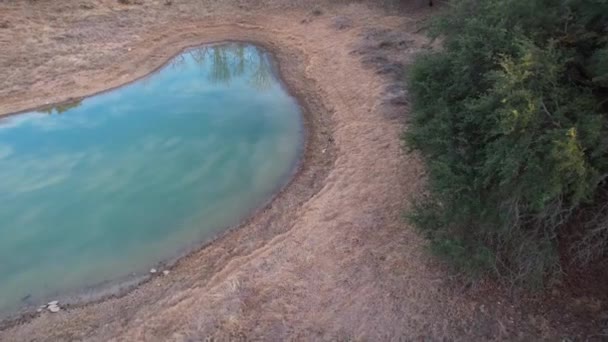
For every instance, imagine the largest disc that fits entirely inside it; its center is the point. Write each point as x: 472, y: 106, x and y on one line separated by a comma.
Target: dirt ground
x: 331, y: 257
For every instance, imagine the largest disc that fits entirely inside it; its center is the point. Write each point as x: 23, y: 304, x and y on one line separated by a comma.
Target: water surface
x: 97, y: 189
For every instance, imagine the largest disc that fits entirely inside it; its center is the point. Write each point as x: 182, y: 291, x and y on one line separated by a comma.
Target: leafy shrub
x: 510, y: 116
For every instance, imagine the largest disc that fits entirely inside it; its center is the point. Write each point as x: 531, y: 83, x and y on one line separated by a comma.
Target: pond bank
x: 255, y: 231
x: 164, y: 145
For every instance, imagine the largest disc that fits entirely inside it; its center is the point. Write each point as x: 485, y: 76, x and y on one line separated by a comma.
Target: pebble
x: 153, y: 270
x: 166, y: 272
x: 54, y: 308
x: 53, y: 303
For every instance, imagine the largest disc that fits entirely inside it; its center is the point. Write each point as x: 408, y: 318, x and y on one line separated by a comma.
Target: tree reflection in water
x: 62, y: 107
x: 229, y: 61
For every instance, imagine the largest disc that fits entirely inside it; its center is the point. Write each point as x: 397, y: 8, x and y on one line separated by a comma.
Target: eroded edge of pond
x: 317, y: 132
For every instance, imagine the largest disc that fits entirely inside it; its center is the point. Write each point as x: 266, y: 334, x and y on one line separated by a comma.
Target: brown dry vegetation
x: 330, y: 258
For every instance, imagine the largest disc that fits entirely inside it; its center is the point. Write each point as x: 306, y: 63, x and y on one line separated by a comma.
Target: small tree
x: 510, y: 117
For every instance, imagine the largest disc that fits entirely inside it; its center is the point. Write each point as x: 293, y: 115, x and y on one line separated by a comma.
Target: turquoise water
x: 98, y: 189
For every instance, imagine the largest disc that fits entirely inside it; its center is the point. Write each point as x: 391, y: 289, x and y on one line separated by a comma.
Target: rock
x: 166, y: 272
x: 54, y: 308
x: 53, y: 303
x: 153, y: 270
x: 39, y: 310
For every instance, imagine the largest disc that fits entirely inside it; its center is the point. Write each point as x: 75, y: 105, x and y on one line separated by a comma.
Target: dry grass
x: 330, y: 258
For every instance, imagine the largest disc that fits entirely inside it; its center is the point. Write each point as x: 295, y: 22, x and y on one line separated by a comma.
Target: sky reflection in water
x: 93, y: 190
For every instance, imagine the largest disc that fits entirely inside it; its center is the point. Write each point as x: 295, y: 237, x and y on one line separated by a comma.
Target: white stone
x: 166, y: 272
x: 39, y: 310
x: 55, y: 302
x: 153, y: 270
x: 54, y: 308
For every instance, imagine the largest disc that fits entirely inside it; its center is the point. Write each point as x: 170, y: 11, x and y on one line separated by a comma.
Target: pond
x: 107, y: 187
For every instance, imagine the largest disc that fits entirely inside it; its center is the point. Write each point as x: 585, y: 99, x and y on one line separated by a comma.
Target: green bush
x: 510, y: 116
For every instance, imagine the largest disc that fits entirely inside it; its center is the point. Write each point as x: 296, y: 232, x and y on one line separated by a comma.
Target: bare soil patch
x: 330, y: 258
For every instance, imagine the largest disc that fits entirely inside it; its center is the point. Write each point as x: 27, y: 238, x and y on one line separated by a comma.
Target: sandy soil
x: 330, y: 258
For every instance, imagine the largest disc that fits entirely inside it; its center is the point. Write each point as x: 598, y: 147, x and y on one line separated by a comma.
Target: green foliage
x: 510, y: 117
